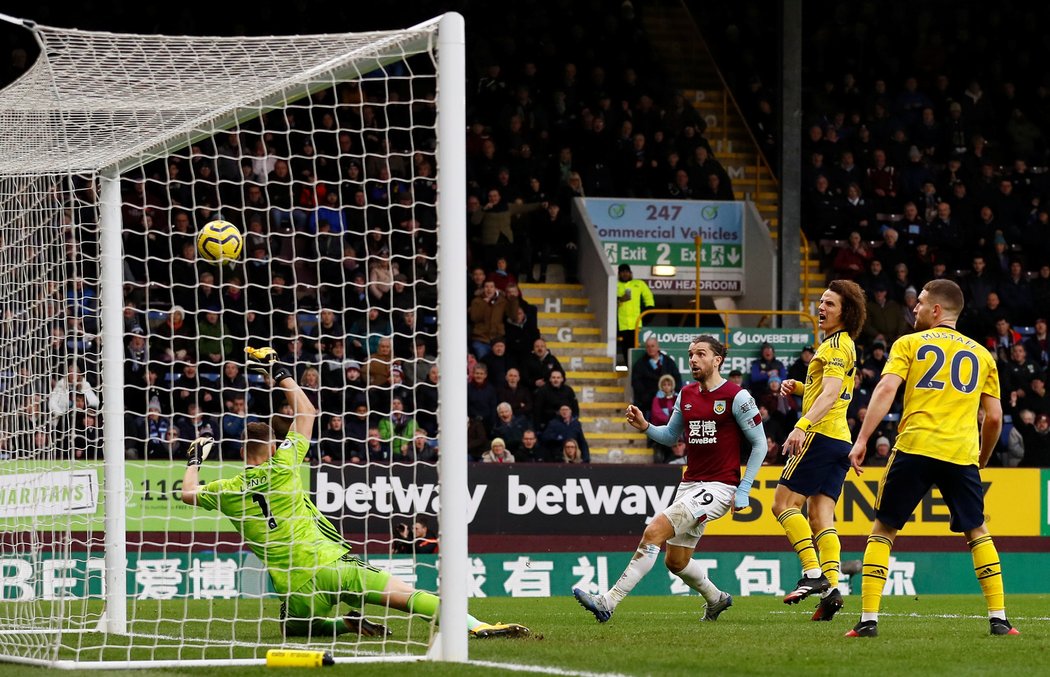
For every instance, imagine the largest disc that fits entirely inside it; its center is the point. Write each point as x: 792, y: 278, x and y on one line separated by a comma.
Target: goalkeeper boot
x: 828, y: 606
x: 864, y: 629
x: 364, y: 627
x: 711, y: 611
x: 807, y: 587
x: 512, y: 630
x: 1001, y: 626
x: 593, y: 603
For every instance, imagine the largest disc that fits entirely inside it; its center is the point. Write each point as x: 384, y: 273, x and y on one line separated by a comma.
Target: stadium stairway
x: 573, y: 335
x: 680, y: 45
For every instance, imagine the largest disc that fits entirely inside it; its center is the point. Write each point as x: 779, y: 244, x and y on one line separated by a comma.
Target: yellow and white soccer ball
x: 220, y: 242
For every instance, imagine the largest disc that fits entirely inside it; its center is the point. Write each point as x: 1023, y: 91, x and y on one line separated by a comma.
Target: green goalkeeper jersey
x: 273, y: 512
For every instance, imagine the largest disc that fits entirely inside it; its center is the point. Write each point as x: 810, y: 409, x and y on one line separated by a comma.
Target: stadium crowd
x: 907, y: 177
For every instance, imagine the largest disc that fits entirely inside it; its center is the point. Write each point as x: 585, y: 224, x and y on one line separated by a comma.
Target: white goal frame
x: 50, y: 119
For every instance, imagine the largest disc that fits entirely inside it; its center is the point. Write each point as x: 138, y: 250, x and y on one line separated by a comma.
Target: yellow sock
x: 875, y: 570
x: 829, y: 549
x: 989, y: 572
x: 801, y: 536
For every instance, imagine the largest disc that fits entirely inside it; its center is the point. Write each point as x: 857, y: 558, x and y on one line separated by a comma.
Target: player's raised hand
x: 636, y: 419
x: 787, y: 387
x: 856, y: 457
x: 199, y: 450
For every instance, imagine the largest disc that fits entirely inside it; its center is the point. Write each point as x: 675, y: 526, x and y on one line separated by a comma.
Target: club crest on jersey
x: 720, y: 406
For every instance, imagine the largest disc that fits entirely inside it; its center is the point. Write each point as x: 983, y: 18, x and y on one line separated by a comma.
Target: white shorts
x: 695, y: 504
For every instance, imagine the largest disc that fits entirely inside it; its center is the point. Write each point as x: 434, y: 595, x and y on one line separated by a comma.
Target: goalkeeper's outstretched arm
x: 264, y: 361
x: 198, y: 451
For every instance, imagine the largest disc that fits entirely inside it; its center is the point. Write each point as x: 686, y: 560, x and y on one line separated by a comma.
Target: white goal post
x: 113, y: 143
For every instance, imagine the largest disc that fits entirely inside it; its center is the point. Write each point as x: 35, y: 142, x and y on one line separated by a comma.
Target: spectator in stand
x: 549, y: 399
x: 892, y: 252
x: 334, y: 447
x: 565, y: 426
x: 481, y: 398
x: 979, y: 281
x: 1016, y: 294
x: 509, y: 426
x: 497, y: 453
x: 1004, y: 338
x: 501, y: 276
x: 882, y: 182
x: 797, y: 370
x: 885, y: 319
x: 871, y: 368
x: 1037, y: 346
x: 873, y: 276
x: 516, y: 394
x: 649, y: 370
x: 660, y: 411
x: 531, y: 450
x: 1036, y: 445
x: 476, y: 285
x: 540, y: 364
x: 851, y: 261
x: 570, y: 452
x: 1016, y: 375
x: 376, y: 450
x: 911, y: 298
x: 487, y: 314
x: 857, y: 214
x: 763, y: 367
x: 380, y: 363
x: 398, y: 430
x: 882, y: 453
x: 783, y: 409
x: 424, y: 449
x: 632, y: 298
x: 497, y: 360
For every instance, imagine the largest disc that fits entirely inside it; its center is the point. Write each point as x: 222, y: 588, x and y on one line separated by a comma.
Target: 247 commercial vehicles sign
x: 646, y: 233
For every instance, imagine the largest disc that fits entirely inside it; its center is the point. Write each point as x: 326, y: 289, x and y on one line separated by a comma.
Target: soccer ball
x: 220, y: 241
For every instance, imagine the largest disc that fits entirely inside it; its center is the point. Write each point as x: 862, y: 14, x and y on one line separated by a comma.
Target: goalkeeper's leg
x: 398, y: 594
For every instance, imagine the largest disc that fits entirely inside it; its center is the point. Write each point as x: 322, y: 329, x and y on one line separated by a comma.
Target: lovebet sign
x: 646, y: 233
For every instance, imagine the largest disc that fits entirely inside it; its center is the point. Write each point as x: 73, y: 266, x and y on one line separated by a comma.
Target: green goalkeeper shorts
x: 347, y: 580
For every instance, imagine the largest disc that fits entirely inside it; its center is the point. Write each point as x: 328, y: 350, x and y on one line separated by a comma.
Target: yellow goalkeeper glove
x: 264, y: 361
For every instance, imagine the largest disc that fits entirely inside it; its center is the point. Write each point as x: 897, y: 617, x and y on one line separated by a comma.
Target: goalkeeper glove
x: 199, y: 450
x: 264, y: 361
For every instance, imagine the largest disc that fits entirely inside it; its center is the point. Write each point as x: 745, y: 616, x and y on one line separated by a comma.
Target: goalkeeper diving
x: 309, y: 563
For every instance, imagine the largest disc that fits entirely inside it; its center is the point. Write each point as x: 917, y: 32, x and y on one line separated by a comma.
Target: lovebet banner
x: 646, y: 233
x: 208, y: 576
x: 612, y: 499
x: 744, y: 344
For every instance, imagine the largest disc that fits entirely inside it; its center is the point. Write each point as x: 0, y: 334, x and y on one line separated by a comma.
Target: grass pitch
x: 656, y: 636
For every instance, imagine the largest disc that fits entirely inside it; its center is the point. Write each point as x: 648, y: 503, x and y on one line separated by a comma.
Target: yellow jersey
x: 945, y: 374
x: 836, y: 357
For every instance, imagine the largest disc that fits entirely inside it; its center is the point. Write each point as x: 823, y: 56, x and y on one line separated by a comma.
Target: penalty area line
x: 543, y: 669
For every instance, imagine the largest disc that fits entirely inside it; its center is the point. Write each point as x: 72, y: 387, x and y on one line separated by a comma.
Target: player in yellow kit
x: 948, y: 378
x: 309, y: 563
x: 818, y: 449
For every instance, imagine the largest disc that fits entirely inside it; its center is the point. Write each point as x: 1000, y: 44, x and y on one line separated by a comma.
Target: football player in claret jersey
x: 717, y: 417
x: 947, y: 378
x: 818, y: 449
x: 309, y: 563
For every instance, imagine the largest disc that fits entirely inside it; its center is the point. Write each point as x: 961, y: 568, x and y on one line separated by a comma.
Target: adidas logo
x: 878, y: 571
x: 987, y: 571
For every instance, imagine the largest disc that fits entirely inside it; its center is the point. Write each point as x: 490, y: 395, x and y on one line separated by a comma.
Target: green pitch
x: 654, y: 636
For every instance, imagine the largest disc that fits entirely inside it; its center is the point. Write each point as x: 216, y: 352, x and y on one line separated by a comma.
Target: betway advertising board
x: 646, y: 233
x: 612, y: 499
x: 743, y: 343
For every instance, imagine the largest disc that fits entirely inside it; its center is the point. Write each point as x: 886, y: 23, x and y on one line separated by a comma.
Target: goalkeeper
x: 309, y: 562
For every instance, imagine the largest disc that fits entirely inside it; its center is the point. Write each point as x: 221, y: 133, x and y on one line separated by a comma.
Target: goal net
x: 119, y: 345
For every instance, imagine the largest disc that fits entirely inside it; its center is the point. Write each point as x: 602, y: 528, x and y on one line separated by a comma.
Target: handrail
x: 805, y: 268
x: 764, y: 313
x: 728, y: 95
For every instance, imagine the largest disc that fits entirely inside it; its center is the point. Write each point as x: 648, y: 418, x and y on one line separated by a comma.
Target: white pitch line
x: 915, y: 614
x: 543, y: 669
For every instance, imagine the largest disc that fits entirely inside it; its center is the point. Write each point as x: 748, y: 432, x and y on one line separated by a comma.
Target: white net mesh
x: 322, y: 150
